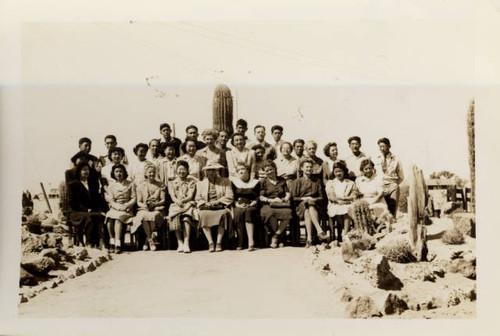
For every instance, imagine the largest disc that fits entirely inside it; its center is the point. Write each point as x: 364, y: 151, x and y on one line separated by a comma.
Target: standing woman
x: 307, y: 192
x: 121, y: 197
x: 331, y: 152
x: 222, y: 140
x: 194, y: 161
x: 211, y: 152
x: 181, y: 211
x: 246, y: 193
x: 239, y: 154
x: 287, y: 166
x: 341, y: 192
x: 115, y: 156
x: 317, y: 169
x: 150, y: 204
x: 137, y: 168
x: 275, y: 199
x: 213, y: 196
x: 85, y: 205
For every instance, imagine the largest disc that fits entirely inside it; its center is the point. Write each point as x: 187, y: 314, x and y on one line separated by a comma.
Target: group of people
x: 224, y: 185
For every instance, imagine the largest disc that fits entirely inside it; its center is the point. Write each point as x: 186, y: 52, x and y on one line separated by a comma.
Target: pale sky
x: 321, y: 80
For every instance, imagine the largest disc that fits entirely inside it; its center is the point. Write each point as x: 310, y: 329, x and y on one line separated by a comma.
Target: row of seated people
x: 233, y: 205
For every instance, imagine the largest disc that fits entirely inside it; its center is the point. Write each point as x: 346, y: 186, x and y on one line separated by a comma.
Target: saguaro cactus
x: 417, y: 203
x: 471, y: 132
x: 223, y: 108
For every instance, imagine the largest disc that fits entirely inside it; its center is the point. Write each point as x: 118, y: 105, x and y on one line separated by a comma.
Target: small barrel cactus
x: 362, y: 217
x: 223, y: 109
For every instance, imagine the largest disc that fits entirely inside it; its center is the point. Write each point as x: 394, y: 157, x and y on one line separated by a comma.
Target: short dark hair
x: 182, y: 163
x: 237, y: 134
x: 259, y: 126
x: 277, y: 127
x: 355, y: 137
x: 305, y: 160
x: 169, y: 144
x: 81, y: 155
x: 340, y: 165
x: 184, y: 144
x: 385, y: 141
x: 110, y: 136
x: 116, y: 166
x: 191, y: 126
x: 79, y: 167
x: 269, y: 163
x: 163, y: 125
x: 366, y: 162
x: 84, y: 139
x: 258, y: 146
x: 326, y: 149
x: 139, y: 145
x: 155, y: 139
x: 242, y: 122
x: 116, y: 149
x: 296, y: 141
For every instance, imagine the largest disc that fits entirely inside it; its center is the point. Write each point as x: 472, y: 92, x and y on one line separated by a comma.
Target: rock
x: 90, y: 267
x: 30, y: 243
x: 38, y: 265
x: 31, y: 294
x: 78, y: 253
x: 52, y: 240
x: 51, y: 253
x: 97, y: 263
x: 60, y: 229
x: 450, y: 207
x: 22, y: 298
x: 41, y: 216
x: 79, y: 271
x: 465, y: 223
x: 431, y: 256
x: 427, y: 304
x: 27, y: 279
x: 465, y: 267
x: 103, y: 259
x: 54, y: 284
x: 394, y: 305
x: 362, y: 307
x: 71, y: 276
x: 377, y: 271
x: 32, y: 224
x: 346, y: 296
x: 438, y: 271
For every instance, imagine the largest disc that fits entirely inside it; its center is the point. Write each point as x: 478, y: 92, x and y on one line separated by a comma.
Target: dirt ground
x: 263, y: 284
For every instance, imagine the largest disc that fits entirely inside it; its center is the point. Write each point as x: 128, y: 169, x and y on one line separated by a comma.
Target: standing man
x: 155, y: 151
x: 390, y: 166
x: 110, y: 142
x: 354, y: 161
x: 298, y: 148
x: 192, y: 132
x: 260, y: 139
x: 166, y: 133
x: 85, y: 145
x: 241, y: 126
x: 277, y: 133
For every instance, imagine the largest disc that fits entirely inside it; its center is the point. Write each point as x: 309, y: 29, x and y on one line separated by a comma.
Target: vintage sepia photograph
x: 278, y: 168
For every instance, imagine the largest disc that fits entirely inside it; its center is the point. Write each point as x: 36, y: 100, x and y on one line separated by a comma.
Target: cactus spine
x: 471, y: 132
x: 223, y: 109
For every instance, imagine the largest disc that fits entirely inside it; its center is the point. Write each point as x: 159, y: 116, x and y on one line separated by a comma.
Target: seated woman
x: 136, y: 169
x: 194, y: 161
x: 307, y: 192
x: 331, y: 152
x: 317, y: 169
x: 116, y: 155
x: 213, y: 196
x: 121, y: 197
x: 150, y: 205
x: 181, y: 211
x: 370, y: 187
x: 341, y: 192
x: 239, y: 154
x: 85, y: 205
x: 275, y: 199
x: 287, y: 166
x: 246, y: 193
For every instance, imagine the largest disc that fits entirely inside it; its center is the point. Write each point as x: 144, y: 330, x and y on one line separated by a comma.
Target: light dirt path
x: 232, y: 284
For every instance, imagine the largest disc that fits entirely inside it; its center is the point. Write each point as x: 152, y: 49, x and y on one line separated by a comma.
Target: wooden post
x: 417, y: 204
x: 45, y: 196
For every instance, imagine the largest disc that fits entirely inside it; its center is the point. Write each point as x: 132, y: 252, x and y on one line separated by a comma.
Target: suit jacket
x: 80, y: 199
x: 223, y: 190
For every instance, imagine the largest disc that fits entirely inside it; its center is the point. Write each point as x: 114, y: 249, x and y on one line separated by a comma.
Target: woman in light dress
x: 370, y: 187
x: 195, y: 162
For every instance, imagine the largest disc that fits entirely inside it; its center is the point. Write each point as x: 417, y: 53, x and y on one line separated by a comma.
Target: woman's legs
x: 250, y: 230
x: 178, y: 235
x: 187, y: 233
x: 313, y: 213
x: 220, y: 234
x: 347, y: 223
x: 149, y: 227
x: 118, y: 229
x: 307, y: 220
x: 208, y: 233
x: 111, y: 230
x: 240, y: 231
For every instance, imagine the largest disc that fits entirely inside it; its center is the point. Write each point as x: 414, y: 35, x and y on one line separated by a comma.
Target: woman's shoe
x: 118, y: 249
x: 281, y: 245
x: 186, y: 248
x: 180, y: 248
x: 308, y: 244
x: 251, y: 248
x: 152, y: 244
x: 274, y: 242
x: 218, y: 248
x: 145, y: 247
x: 211, y: 247
x: 323, y: 236
x: 112, y: 248
x: 239, y: 248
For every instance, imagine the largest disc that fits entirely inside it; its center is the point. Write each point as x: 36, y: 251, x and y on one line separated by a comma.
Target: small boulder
x: 54, y: 284
x: 90, y: 267
x: 52, y: 240
x: 377, y: 271
x: 450, y: 207
x: 27, y: 279
x: 60, y: 229
x: 23, y: 298
x: 78, y: 253
x: 30, y: 243
x: 465, y: 267
x: 465, y: 223
x: 38, y: 265
x: 394, y: 305
x: 362, y: 307
x: 346, y: 296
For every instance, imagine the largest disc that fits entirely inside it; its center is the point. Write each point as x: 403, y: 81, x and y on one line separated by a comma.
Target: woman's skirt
x: 267, y: 212
x: 338, y: 209
x: 245, y: 215
x: 211, y: 218
x: 122, y: 216
x: 145, y: 215
x: 176, y: 213
x: 300, y: 209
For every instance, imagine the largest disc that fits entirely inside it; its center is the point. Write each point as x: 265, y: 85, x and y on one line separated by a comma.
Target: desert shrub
x: 397, y: 250
x: 453, y: 237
